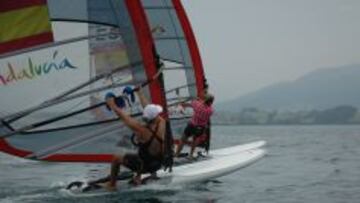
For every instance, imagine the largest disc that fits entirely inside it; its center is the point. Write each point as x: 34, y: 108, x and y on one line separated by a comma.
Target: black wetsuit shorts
x: 142, y: 165
x: 192, y: 130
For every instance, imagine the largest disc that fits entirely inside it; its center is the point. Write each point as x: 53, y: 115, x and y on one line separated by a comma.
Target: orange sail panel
x: 24, y: 23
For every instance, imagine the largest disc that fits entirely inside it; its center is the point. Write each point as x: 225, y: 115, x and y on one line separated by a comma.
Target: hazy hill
x: 321, y: 89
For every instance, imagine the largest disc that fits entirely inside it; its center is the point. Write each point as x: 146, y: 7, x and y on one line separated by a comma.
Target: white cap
x: 151, y: 111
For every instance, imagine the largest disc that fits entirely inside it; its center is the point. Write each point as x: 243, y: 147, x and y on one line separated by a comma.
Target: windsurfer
x: 197, y: 126
x: 149, y: 138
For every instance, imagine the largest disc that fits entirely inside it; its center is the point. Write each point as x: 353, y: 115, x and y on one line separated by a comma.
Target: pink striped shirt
x: 202, y: 113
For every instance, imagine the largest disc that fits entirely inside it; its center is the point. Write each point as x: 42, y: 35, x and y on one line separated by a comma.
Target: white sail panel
x: 172, y: 47
x: 34, y: 77
x: 103, y: 46
x: 54, y: 93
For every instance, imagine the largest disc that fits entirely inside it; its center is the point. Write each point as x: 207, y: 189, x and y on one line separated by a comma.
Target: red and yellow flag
x: 23, y: 23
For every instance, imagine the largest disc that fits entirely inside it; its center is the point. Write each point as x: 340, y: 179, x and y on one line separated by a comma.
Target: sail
x: 52, y: 92
x: 176, y: 45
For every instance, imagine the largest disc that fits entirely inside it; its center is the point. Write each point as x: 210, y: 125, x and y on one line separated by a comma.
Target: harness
x: 143, y: 148
x: 166, y: 157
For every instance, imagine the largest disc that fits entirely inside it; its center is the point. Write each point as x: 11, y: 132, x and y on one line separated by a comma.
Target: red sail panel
x: 5, y: 147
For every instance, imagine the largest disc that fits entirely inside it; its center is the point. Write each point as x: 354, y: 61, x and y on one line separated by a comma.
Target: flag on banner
x: 23, y: 24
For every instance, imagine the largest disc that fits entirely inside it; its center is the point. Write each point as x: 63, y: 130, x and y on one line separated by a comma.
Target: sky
x: 249, y: 44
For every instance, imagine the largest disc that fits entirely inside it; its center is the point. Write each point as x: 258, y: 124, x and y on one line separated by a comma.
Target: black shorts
x: 135, y: 163
x: 192, y: 130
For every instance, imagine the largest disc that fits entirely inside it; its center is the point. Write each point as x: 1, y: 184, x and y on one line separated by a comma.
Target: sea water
x: 304, y: 164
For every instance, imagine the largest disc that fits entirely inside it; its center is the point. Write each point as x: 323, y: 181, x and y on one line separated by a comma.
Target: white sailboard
x: 214, y: 167
x: 237, y: 148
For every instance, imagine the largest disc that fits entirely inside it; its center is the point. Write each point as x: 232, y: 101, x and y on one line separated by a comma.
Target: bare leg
x: 137, y: 179
x: 193, y: 146
x: 179, y: 148
x: 115, y: 168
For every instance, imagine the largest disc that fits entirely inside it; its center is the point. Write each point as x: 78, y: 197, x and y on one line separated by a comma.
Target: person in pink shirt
x: 196, y: 127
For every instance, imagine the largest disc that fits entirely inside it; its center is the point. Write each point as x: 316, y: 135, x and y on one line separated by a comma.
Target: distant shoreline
x: 339, y: 115
x: 300, y: 124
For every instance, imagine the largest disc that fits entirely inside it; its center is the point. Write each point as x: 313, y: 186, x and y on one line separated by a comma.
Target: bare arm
x: 142, y: 98
x: 161, y: 132
x: 161, y: 129
x: 186, y: 105
x: 132, y: 123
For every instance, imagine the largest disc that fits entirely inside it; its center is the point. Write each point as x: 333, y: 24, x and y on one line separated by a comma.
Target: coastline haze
x: 248, y: 45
